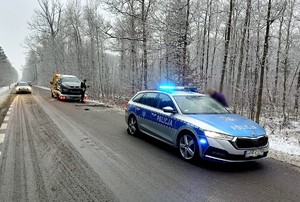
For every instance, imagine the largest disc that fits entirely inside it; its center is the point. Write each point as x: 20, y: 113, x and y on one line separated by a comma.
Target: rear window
x: 70, y: 79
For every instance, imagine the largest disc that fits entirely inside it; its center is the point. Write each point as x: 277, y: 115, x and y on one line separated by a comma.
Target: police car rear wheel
x: 188, y: 147
x: 132, y: 126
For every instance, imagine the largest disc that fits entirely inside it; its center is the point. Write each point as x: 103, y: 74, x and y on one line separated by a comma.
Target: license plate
x: 254, y: 153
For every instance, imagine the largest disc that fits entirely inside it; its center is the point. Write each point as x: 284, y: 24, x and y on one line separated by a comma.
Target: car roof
x: 68, y: 76
x: 173, y: 92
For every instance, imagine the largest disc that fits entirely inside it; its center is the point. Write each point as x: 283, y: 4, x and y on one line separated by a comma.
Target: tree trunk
x: 278, y: 58
x: 238, y: 91
x: 185, y: 43
x: 297, y: 94
x: 263, y: 63
x: 204, y: 42
x: 208, y: 40
x: 286, y: 61
x: 227, y: 40
x: 215, y: 45
x: 145, y: 53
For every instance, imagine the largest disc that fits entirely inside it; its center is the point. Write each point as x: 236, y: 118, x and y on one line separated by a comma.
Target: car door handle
x: 153, y: 114
x: 137, y: 108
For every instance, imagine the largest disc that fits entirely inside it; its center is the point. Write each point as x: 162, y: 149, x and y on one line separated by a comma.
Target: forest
x: 8, y: 73
x: 247, y: 49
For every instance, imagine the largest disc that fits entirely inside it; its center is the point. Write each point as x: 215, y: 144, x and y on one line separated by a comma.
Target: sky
x: 14, y: 16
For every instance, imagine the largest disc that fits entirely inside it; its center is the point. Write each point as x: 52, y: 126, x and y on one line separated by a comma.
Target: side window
x: 164, y: 101
x: 150, y: 99
x: 138, y: 98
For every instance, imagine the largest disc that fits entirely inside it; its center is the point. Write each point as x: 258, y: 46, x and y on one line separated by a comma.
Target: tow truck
x: 65, y: 87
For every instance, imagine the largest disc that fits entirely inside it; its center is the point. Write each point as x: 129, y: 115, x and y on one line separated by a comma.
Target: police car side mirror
x: 168, y: 109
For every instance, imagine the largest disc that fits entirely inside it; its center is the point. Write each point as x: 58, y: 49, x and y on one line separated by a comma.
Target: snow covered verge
x: 4, y: 92
x: 284, y: 142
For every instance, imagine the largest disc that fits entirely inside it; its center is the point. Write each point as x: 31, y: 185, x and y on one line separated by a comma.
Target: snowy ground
x: 4, y: 91
x: 284, y: 142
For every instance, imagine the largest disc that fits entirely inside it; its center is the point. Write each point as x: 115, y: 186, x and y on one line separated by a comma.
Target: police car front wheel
x: 188, y: 147
x: 132, y: 126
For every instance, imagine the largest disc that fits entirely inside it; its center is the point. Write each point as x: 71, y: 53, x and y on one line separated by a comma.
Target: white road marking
x: 2, y: 136
x: 6, y: 118
x: 3, y: 126
x: 8, y: 113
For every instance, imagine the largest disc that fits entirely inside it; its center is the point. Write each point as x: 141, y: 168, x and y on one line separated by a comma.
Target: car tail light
x: 86, y: 97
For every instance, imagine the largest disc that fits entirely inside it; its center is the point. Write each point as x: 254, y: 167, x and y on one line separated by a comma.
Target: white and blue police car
x: 195, y: 124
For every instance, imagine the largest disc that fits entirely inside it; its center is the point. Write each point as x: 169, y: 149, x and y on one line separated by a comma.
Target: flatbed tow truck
x: 66, y: 87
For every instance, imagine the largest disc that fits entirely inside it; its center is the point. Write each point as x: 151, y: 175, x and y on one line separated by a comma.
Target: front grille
x: 251, y: 142
x: 222, y: 154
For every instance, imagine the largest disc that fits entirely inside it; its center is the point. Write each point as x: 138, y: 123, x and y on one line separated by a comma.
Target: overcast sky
x: 14, y: 15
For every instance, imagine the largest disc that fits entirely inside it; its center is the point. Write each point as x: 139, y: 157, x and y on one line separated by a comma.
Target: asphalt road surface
x: 65, y: 151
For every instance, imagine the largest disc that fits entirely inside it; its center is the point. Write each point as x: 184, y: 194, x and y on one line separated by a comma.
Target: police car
x: 195, y: 124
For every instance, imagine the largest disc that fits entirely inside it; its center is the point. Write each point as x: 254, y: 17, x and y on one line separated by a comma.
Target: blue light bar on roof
x: 170, y: 87
x: 178, y: 88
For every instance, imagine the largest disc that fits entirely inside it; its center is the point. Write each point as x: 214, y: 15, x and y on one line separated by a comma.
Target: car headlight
x: 216, y: 135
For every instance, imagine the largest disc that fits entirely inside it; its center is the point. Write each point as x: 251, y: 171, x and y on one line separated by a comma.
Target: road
x: 65, y: 151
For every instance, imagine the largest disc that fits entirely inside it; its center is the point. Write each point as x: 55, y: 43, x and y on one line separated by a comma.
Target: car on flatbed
x: 196, y: 125
x: 66, y: 87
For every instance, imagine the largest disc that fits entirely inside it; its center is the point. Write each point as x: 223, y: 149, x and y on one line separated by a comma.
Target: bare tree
x: 241, y: 59
x: 227, y: 41
x: 8, y: 74
x: 286, y: 58
x: 263, y: 63
x: 47, y: 21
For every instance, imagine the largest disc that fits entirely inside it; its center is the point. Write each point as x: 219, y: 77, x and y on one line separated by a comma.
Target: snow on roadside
x: 4, y: 92
x: 284, y: 142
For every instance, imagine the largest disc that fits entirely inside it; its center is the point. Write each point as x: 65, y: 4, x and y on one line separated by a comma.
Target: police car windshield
x: 70, y: 79
x: 198, y: 105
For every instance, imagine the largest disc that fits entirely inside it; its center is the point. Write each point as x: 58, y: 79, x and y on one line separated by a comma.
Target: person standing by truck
x: 83, y: 89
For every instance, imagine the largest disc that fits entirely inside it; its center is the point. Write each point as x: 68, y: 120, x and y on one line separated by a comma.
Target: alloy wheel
x: 132, y: 125
x: 187, y: 147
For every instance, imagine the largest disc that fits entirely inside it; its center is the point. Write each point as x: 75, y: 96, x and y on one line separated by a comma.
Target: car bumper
x: 225, y: 151
x: 69, y: 97
x: 24, y: 90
